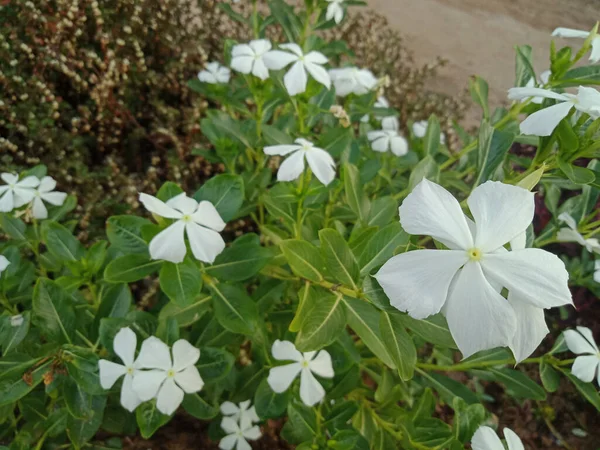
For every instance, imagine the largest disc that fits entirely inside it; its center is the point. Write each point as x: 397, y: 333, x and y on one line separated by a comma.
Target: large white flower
x: 352, y: 80
x: 465, y: 281
x: 544, y: 121
x: 201, y: 221
x: 581, y: 342
x: 45, y: 193
x: 571, y: 234
x: 486, y: 439
x: 214, y: 73
x: 296, y: 78
x: 249, y: 58
x: 281, y: 377
x: 16, y: 193
x: 238, y: 434
x: 4, y: 263
x: 169, y: 379
x: 335, y: 10
x: 571, y: 33
x: 242, y: 413
x: 320, y: 162
x: 124, y: 346
x: 420, y: 130
x: 388, y: 139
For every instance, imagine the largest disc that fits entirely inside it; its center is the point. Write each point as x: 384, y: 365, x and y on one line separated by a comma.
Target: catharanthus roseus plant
x: 330, y: 279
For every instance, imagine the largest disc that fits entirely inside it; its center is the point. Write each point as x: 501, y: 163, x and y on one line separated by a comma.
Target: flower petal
x: 7, y: 202
x: 578, y: 344
x: 169, y: 244
x: 242, y: 64
x: 206, y: 244
x: 318, y: 73
x: 38, y: 209
x: 311, y: 391
x: 183, y: 203
x: 47, y: 184
x: 242, y: 50
x: 521, y: 93
x: 316, y: 58
x: 569, y: 235
x: 229, y: 408
x: 9, y: 178
x: 242, y: 444
x: 294, y: 48
x: 431, y: 210
x: 544, y: 121
x: 486, y: 439
x: 252, y: 433
x: 154, y: 354
x: 381, y: 144
x: 585, y: 367
x: 513, y: 441
x: 4, y: 263
x: 22, y: 195
x: 228, y: 442
x: 570, y: 33
x: 568, y: 219
x: 537, y: 276
x: 109, y: 373
x: 251, y: 415
x: 322, y: 365
x: 158, y: 207
x: 54, y: 198
x: 189, y: 380
x: 479, y: 318
x: 260, y: 70
x: 29, y: 182
x: 229, y: 425
x: 285, y: 351
x: 277, y: 60
x: 501, y: 212
x: 169, y: 397
x: 184, y: 355
x: 322, y: 165
x: 281, y: 150
x: 124, y: 345
x: 587, y: 334
x: 146, y: 383
x: 281, y: 377
x: 129, y: 399
x: 292, y: 167
x: 399, y: 146
x: 418, y: 282
x: 208, y: 216
x: 260, y: 46
x: 531, y: 328
x: 295, y: 79
x: 595, y: 53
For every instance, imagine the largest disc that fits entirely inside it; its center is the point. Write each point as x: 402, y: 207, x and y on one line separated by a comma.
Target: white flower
x: 16, y: 193
x: 249, y: 58
x: 124, y: 346
x: 335, y: 10
x: 597, y: 271
x: 242, y: 413
x: 544, y: 121
x: 572, y: 235
x: 388, y: 139
x: 544, y: 78
x: 45, y: 193
x: 420, y: 130
x: 214, y: 73
x: 280, y: 378
x: 169, y: 379
x: 4, y: 263
x: 16, y: 320
x: 238, y: 434
x: 465, y: 281
x: 581, y: 342
x: 570, y: 33
x: 201, y: 222
x: 352, y: 80
x: 388, y: 122
x: 295, y: 79
x: 320, y: 162
x: 486, y: 439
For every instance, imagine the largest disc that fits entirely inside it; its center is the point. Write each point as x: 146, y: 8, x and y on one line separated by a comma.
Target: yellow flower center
x: 304, y: 364
x: 186, y: 218
x: 130, y: 370
x: 170, y: 373
x: 474, y: 254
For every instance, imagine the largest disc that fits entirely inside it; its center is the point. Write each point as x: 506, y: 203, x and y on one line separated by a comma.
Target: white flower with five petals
x: 45, y: 192
x: 295, y: 79
x: 16, y: 193
x: 249, y: 58
x: 238, y: 434
x: 544, y: 121
x: 352, y: 80
x: 581, y: 342
x: 465, y: 281
x: 571, y: 33
x: 242, y: 413
x: 335, y: 10
x: 169, y: 379
x: 4, y: 263
x: 214, y: 73
x: 124, y: 345
x: 201, y: 221
x: 388, y: 139
x: 571, y: 234
x: 486, y: 439
x: 281, y: 377
x: 320, y: 162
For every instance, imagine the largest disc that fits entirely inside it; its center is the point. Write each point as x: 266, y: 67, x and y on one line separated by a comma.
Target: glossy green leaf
x: 225, y: 192
x: 518, y: 384
x: 130, y: 268
x: 149, y: 418
x: 381, y: 247
x: 61, y: 243
x: 339, y: 259
x: 124, y: 232
x: 181, y: 282
x: 80, y: 431
x: 304, y: 259
x: 234, y: 309
x: 214, y: 364
x: 355, y: 194
x: 239, y: 262
x: 269, y: 404
x: 399, y: 344
x: 323, y: 323
x: 53, y: 311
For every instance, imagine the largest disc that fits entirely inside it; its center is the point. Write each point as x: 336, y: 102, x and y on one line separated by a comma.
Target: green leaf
x: 269, y: 404
x: 549, y: 376
x: 149, y: 418
x: 383, y: 211
x: 568, y: 139
x: 467, y: 419
x: 433, y: 329
x: 524, y: 71
x: 586, y: 75
x: 274, y: 136
x: 448, y: 388
x: 115, y: 301
x: 348, y: 440
x: 181, y: 282
x: 186, y: 315
x: 399, y: 344
x: 304, y: 259
x: 11, y: 335
x: 130, y: 268
x: 287, y: 18
x: 431, y: 141
x: 338, y: 257
x: 239, y: 262
x: 588, y: 390
x: 79, y: 402
x: 519, y: 384
x: 81, y: 431
x: 12, y: 226
x: 15, y: 364
x: 307, y: 297
x: 124, y: 232
x: 198, y: 407
x: 381, y: 247
x: 167, y: 330
x: 53, y: 312
x: 355, y: 194
x: 234, y: 309
x: 214, y: 364
x: 82, y: 365
x: 578, y: 175
x: 61, y: 243
x: 225, y: 192
x: 479, y: 93
x: 12, y: 390
x: 492, y: 147
x: 427, y: 168
x: 323, y: 324
x: 302, y: 423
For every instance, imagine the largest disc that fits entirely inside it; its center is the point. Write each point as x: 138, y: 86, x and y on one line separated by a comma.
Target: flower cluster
x: 239, y: 424
x: 30, y: 190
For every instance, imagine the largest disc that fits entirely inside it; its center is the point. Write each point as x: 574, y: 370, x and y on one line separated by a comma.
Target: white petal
x: 431, y: 210
x: 295, y: 79
x: 260, y: 69
x: 252, y: 433
x: 169, y: 397
x: 399, y: 146
x: 242, y: 444
x: 316, y: 58
x: 322, y: 165
x: 242, y: 50
x: 29, y: 182
x: 537, y: 276
x: 9, y: 178
x: 260, y: 46
x: 381, y: 144
x: 184, y: 355
x: 228, y: 408
x: 588, y: 100
x: 124, y: 345
x: 585, y: 367
x: 322, y: 365
x: 22, y: 196
x: 206, y: 244
x: 281, y: 150
x: 501, y: 212
x: 544, y: 121
x: 568, y: 219
x: 513, y: 441
x: 208, y: 216
x: 154, y: 354
x: 38, y: 209
x: 519, y: 241
x: 339, y: 15
x: 158, y: 207
x: 277, y: 60
x: 420, y: 128
x: 331, y: 10
x: 578, y: 344
x: 146, y: 383
x: 418, y: 282
x: 6, y: 202
x: 520, y: 93
x: 292, y: 167
x: 281, y: 377
x: 169, y: 243
x: 189, y: 380
x: 318, y: 73
x: 311, y: 391
x: 54, y: 198
x: 4, y: 263
x: 183, y: 203
x: 294, y: 48
x: 587, y: 334
x: 531, y: 328
x: 479, y: 318
x: 569, y: 235
x: 486, y: 439
x: 129, y: 399
x: 228, y: 442
x: 285, y: 351
x: 251, y: 415
x: 229, y: 425
x: 47, y: 184
x: 109, y: 373
x: 390, y: 123
x: 242, y: 64
x: 595, y: 53
x: 207, y: 77
x: 570, y: 33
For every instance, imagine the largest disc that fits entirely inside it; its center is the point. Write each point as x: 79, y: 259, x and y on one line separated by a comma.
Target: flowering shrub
x: 343, y: 312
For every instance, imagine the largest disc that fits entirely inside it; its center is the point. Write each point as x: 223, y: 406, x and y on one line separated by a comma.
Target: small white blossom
x: 387, y: 122
x: 486, y: 439
x: 571, y: 234
x: 281, y: 377
x: 214, y: 73
x: 249, y: 58
x: 238, y: 434
x: 335, y: 10
x: 571, y: 33
x: 420, y: 130
x: 388, y: 139
x: 597, y: 271
x: 45, y: 193
x: 320, y: 162
x: 295, y: 79
x: 169, y: 379
x: 16, y: 193
x: 352, y: 80
x: 242, y: 413
x: 581, y: 342
x: 200, y: 221
x: 16, y: 320
x: 124, y: 346
x: 4, y: 263
x: 544, y: 121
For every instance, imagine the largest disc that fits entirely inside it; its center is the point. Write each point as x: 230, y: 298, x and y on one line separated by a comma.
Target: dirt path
x: 478, y: 36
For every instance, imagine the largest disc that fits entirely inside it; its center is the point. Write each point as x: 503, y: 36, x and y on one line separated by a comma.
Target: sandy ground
x: 478, y: 36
